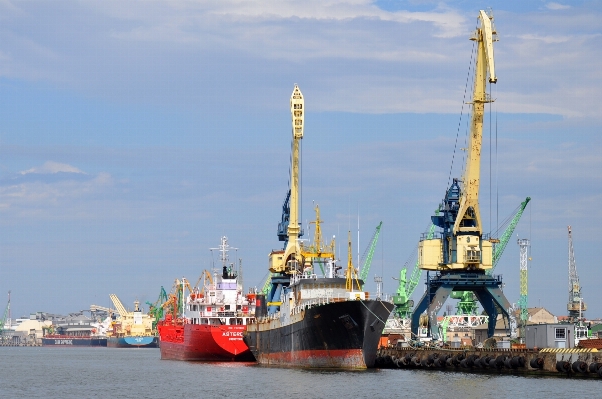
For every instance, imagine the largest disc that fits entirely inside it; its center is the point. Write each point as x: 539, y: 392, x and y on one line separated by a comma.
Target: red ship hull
x: 203, y: 343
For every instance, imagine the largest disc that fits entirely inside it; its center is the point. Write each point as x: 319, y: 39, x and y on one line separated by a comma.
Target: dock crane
x: 498, y: 250
x: 368, y: 262
x: 402, y: 302
x: 575, y: 305
x: 462, y: 253
x: 289, y: 261
x: 155, y: 310
x: 119, y: 306
x: 4, y: 318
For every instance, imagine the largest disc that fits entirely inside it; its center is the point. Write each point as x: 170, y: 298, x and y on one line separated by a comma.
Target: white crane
x: 575, y: 305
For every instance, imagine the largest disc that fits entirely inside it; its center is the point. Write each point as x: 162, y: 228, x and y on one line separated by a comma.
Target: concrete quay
x: 573, y: 362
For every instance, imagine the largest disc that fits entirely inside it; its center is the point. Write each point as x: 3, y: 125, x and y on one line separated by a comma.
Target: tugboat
x: 212, y: 319
x: 306, y: 320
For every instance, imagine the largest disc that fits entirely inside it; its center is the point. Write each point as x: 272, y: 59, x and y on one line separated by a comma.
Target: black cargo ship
x: 306, y: 320
x: 320, y: 324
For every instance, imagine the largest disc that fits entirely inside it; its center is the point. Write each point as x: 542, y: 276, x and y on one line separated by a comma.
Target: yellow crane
x: 351, y: 272
x: 318, y: 251
x: 461, y: 246
x: 290, y: 260
x: 119, y: 306
x: 461, y: 254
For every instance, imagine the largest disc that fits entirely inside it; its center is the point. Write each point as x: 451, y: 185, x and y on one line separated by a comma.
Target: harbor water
x: 42, y: 372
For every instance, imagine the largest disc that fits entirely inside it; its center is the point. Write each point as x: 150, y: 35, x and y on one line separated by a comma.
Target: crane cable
x: 472, y: 56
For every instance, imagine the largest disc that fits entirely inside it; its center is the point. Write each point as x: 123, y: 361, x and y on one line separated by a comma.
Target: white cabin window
x: 560, y: 333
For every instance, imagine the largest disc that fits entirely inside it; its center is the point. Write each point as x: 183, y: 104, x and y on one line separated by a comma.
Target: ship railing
x: 326, y: 299
x: 298, y: 277
x: 226, y: 314
x: 323, y: 300
x: 273, y: 316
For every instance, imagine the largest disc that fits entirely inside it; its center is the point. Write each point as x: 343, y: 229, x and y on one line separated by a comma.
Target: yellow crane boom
x: 118, y: 305
x: 289, y: 260
x: 469, y: 199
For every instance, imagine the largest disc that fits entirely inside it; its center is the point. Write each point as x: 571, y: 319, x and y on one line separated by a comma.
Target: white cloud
x: 353, y: 56
x: 51, y: 167
x: 549, y: 39
x: 557, y: 6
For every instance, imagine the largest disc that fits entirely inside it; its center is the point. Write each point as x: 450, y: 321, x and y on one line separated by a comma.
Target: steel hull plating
x: 204, y: 343
x: 133, y: 342
x: 74, y: 341
x: 336, y: 335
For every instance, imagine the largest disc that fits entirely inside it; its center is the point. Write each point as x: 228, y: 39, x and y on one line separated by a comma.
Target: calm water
x: 139, y: 373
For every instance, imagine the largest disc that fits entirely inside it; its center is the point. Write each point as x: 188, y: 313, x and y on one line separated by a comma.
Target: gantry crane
x: 575, y: 305
x: 368, y: 262
x: 461, y: 254
x: 289, y: 261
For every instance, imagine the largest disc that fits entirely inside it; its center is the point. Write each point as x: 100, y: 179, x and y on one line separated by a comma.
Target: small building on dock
x: 557, y: 335
x: 502, y: 331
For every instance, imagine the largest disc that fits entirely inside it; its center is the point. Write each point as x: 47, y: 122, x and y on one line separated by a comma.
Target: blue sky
x: 133, y: 135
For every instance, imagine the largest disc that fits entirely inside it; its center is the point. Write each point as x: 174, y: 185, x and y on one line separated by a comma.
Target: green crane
x: 499, y: 248
x: 403, y: 305
x: 468, y: 301
x: 4, y: 317
x: 156, y: 309
x: 402, y: 302
x: 368, y: 261
x: 267, y: 284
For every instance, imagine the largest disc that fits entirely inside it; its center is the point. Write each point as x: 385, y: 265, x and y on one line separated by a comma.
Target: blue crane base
x: 485, y: 287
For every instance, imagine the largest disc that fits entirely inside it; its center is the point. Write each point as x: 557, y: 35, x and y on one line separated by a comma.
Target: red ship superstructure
x: 212, y: 319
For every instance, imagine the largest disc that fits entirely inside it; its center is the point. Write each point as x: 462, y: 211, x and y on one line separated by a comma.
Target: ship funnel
x: 261, y: 306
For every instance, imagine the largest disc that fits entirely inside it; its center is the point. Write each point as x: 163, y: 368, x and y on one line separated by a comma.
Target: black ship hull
x: 341, y: 334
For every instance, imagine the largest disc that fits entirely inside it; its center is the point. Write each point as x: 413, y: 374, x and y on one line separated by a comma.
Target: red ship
x: 212, y: 321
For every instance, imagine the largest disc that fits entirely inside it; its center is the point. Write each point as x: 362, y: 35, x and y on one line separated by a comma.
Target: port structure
x: 461, y: 254
x: 523, y: 300
x: 575, y: 305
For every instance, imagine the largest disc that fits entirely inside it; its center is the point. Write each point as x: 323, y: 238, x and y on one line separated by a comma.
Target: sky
x: 134, y: 135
